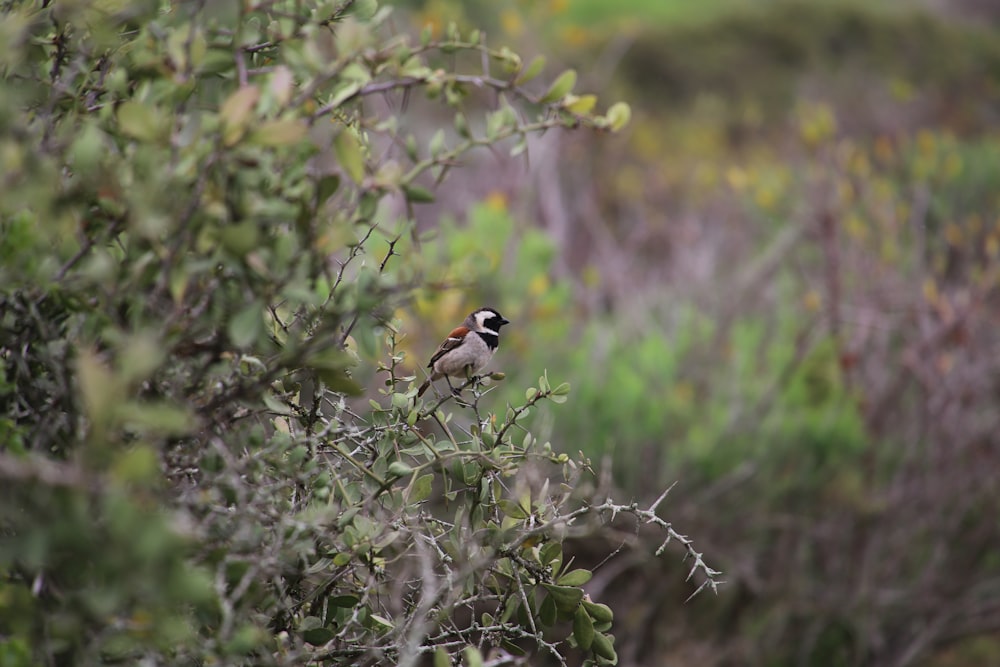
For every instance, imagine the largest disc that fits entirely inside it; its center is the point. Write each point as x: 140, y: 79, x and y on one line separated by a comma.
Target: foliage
x: 791, y: 310
x: 779, y: 394
x: 205, y: 225
x: 942, y: 70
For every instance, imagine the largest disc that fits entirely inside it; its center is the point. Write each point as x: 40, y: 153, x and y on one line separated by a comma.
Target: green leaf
x: 560, y: 87
x: 581, y: 105
x: 441, y: 658
x: 472, y: 657
x: 437, y: 146
x: 418, y: 194
x: 217, y: 61
x: 356, y: 72
x: 509, y: 61
x: 326, y: 187
x: 604, y: 648
x: 240, y: 238
x: 140, y: 356
x: 281, y: 85
x: 618, y: 116
x: 247, y: 326
x: 140, y: 122
x: 89, y: 148
x: 345, y: 601
x: 547, y: 612
x: 421, y: 489
x: 533, y: 69
x: 512, y: 509
x: 388, y: 175
x: 156, y: 417
x: 412, y: 150
x: 550, y: 552
x: 350, y: 155
x: 279, y: 132
x: 318, y: 636
x: 235, y: 112
x: 462, y: 125
x: 416, y: 69
x: 599, y: 612
x: 583, y: 629
x: 136, y: 465
x: 341, y: 383
x: 399, y: 469
x: 244, y: 640
x: 381, y: 622
x: 364, y: 9
x: 499, y: 120
x: 344, y: 93
x: 333, y: 359
x: 575, y: 578
x: 567, y: 598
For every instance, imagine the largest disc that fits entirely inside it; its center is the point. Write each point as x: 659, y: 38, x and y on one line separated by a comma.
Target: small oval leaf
x: 399, y: 469
x: 139, y: 121
x: 236, y: 109
x: 601, y: 613
x: 575, y: 578
x: 583, y: 629
x: 603, y: 648
x: 566, y: 598
x: 279, y: 132
x: 473, y: 658
x: 562, y: 86
x: 581, y: 105
x: 533, y: 69
x: 349, y: 155
x: 417, y: 194
x: 619, y: 116
x: 421, y: 489
x: 247, y: 325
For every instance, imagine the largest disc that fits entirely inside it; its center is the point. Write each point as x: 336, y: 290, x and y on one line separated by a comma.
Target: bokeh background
x: 778, y: 289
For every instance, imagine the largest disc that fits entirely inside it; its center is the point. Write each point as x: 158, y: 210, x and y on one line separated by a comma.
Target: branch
x: 51, y: 473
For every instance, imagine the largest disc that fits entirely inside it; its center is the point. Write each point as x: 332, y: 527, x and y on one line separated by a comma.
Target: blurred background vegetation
x: 779, y: 287
x: 780, y: 290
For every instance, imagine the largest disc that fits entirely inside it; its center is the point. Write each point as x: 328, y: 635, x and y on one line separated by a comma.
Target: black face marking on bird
x: 487, y: 321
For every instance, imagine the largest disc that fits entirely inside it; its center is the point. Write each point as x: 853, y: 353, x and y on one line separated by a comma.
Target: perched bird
x: 467, y: 349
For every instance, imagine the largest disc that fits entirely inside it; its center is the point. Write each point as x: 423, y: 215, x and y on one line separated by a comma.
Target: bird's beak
x: 503, y: 321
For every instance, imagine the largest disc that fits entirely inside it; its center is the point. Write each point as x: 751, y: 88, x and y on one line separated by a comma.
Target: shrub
x: 199, y: 244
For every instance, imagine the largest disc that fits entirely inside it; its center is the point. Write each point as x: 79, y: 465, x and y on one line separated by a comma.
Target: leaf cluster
x: 197, y: 252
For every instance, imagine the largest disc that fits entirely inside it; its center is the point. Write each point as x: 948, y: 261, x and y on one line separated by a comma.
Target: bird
x: 468, y: 348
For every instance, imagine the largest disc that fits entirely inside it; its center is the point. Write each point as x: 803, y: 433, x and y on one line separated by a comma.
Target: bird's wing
x: 453, y: 340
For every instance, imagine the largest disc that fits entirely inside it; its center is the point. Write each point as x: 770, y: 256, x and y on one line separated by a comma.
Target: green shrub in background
x: 195, y: 256
x: 669, y: 392
x: 824, y: 398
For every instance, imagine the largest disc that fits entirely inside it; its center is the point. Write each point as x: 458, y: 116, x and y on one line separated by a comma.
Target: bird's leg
x: 454, y: 391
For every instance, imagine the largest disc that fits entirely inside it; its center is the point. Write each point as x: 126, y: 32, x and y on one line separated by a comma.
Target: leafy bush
x: 841, y: 49
x: 802, y: 333
x: 205, y: 225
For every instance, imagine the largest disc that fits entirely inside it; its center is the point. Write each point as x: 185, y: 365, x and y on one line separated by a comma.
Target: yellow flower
x: 496, y: 201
